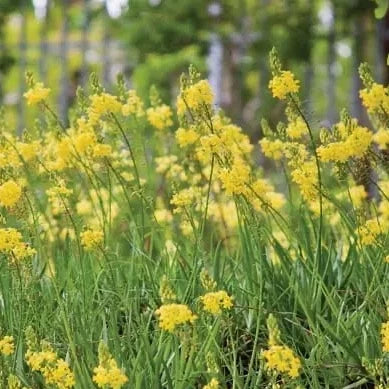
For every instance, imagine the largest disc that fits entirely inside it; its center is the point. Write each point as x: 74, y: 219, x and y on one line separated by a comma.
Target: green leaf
x: 382, y: 7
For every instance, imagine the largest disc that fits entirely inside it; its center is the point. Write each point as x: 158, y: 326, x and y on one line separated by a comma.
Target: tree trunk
x: 43, y: 45
x: 106, y: 56
x: 85, y: 42
x: 359, y: 50
x: 382, y: 69
x: 64, y: 82
x: 331, y: 79
x: 22, y: 72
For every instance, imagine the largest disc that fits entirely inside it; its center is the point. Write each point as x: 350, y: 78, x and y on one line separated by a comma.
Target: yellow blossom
x: 272, y: 149
x: 358, y: 195
x: 11, y: 243
x: 102, y: 104
x: 381, y: 137
x: 107, y: 374
x: 55, y: 371
x: 172, y: 315
x: 236, y: 178
x: 10, y: 193
x: 213, y: 384
x: 195, y: 96
x: 215, y: 302
x: 183, y: 198
x: 375, y: 99
x: 297, y: 128
x: 282, y: 360
x: 91, y: 238
x: 28, y: 151
x: 305, y: 176
x: 385, y: 337
x: 284, y: 84
x: 101, y: 150
x: 7, y: 346
x: 36, y: 94
x: 160, y: 117
x: 369, y: 232
x: 186, y: 137
x: 354, y: 145
x: 134, y: 105
x: 163, y: 215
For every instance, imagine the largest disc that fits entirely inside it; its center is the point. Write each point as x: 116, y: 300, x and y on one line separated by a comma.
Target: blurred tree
x: 176, y: 33
x: 6, y: 60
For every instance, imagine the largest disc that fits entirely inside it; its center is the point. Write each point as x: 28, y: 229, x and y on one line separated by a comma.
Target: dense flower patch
x: 144, y: 247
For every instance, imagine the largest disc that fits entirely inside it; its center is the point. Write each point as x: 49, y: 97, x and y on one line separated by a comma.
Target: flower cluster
x: 283, y: 84
x: 11, y: 243
x: 10, y: 193
x: 173, y: 315
x: 215, y: 302
x: 91, y: 238
x: 385, y: 337
x: 213, y: 384
x: 107, y: 374
x: 160, y: 117
x: 55, y: 370
x: 37, y: 94
x: 279, y: 357
x: 7, y: 346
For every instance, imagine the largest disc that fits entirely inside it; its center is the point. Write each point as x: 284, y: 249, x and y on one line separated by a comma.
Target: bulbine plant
x: 143, y: 247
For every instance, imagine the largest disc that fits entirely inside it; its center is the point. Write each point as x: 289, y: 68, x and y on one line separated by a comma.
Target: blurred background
x: 152, y: 42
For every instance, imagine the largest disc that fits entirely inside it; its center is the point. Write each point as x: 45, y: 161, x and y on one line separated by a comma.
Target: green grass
x: 327, y: 291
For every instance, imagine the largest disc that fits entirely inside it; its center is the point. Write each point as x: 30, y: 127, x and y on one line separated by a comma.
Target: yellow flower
x: 83, y: 141
x: 385, y: 337
x: 236, y: 178
x: 14, y: 382
x: 107, y: 374
x: 375, y: 99
x: 160, y: 117
x: 297, y: 128
x: 272, y: 149
x: 214, y: 302
x: 10, y: 193
x: 381, y: 137
x: 369, y: 232
x: 183, y: 198
x: 134, y: 105
x: 282, y: 360
x: 173, y: 315
x: 101, y: 150
x: 195, y: 96
x: 284, y: 84
x: 166, y: 292
x: 186, y: 137
x: 55, y: 370
x: 358, y: 195
x: 11, y: 243
x: 101, y: 105
x: 305, y: 176
x: 213, y: 384
x: 92, y: 238
x: 7, y: 346
x: 163, y: 215
x: 60, y: 375
x: 28, y: 151
x: 354, y: 145
x: 36, y: 94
